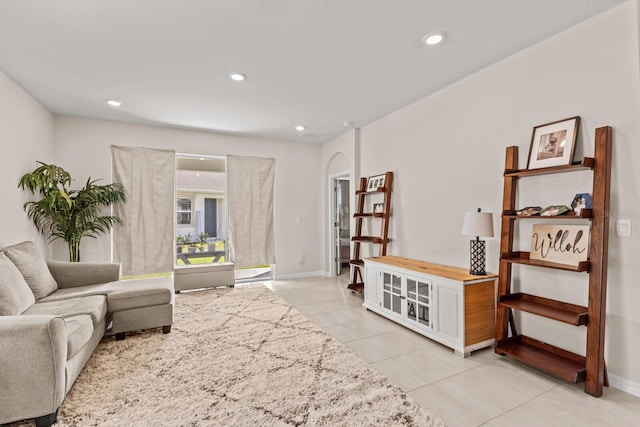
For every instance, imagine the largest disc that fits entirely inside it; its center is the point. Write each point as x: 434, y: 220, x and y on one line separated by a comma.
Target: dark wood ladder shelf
x: 589, y: 368
x: 365, y: 211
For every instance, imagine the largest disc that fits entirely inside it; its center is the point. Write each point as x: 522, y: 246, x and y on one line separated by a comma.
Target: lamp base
x: 478, y: 258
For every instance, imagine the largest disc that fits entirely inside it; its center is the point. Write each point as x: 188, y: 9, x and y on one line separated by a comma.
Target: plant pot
x: 211, y: 247
x: 179, y: 249
x: 192, y: 249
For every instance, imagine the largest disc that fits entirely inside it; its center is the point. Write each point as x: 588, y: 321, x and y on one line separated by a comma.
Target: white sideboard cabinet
x: 446, y: 304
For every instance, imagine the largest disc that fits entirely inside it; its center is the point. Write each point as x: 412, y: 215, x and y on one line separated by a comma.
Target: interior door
x: 341, y: 223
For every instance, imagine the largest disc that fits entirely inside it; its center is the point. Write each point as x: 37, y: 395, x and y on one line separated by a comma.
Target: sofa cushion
x: 94, y: 306
x: 79, y: 331
x: 15, y: 294
x: 33, y: 267
x: 82, y: 291
x: 141, y: 293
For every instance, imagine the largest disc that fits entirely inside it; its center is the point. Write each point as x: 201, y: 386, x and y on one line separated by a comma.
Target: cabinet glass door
x: 419, y: 302
x: 392, y: 292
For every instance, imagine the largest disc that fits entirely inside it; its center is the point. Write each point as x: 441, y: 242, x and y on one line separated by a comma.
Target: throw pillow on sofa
x: 33, y: 267
x: 15, y: 294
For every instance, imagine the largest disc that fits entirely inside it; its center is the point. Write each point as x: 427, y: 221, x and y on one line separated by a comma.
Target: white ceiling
x: 313, y: 62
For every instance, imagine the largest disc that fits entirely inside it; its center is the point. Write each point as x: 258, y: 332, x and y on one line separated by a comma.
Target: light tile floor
x: 481, y: 390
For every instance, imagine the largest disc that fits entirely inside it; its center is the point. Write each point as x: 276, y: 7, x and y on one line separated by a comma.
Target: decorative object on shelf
x: 479, y: 224
x: 529, y: 211
x: 375, y: 182
x: 555, y: 210
x: 581, y: 201
x: 552, y: 144
x: 378, y: 208
x: 562, y: 244
x: 70, y: 215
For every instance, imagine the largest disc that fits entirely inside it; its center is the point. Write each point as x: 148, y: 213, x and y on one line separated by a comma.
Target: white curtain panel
x: 145, y: 243
x: 250, y: 195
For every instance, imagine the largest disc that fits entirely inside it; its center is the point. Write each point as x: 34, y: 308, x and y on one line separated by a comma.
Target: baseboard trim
x: 624, y: 384
x: 300, y: 275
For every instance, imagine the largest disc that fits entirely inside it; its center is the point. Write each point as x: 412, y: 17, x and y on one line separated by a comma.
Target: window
x: 183, y: 210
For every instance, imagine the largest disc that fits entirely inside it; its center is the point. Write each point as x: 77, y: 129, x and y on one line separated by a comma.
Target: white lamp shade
x: 478, y: 224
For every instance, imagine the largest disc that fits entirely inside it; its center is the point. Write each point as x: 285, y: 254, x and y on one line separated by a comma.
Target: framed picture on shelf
x: 375, y: 182
x: 552, y: 144
x: 562, y: 244
x: 554, y: 210
x: 581, y: 201
x: 529, y: 211
x: 378, y: 208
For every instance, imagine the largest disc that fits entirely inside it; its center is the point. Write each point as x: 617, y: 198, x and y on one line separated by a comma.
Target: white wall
x: 447, y: 152
x: 26, y: 135
x: 338, y: 156
x: 83, y: 148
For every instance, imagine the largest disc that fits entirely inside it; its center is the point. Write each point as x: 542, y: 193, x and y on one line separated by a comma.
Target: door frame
x: 332, y: 213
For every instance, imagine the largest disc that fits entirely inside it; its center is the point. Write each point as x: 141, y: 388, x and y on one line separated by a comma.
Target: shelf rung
x: 372, y: 239
x: 523, y: 258
x: 357, y: 262
x: 545, y: 307
x: 365, y: 192
x: 356, y: 287
x: 575, y: 166
x: 543, y: 356
x: 584, y: 213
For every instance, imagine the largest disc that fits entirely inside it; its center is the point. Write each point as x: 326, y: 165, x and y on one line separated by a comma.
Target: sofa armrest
x: 33, y: 353
x: 74, y: 274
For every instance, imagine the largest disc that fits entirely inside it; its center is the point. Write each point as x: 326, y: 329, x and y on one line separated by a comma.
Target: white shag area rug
x: 238, y: 357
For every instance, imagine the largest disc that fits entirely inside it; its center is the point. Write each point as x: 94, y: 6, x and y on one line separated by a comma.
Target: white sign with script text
x: 562, y: 244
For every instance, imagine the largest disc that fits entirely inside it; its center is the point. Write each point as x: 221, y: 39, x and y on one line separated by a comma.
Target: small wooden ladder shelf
x: 554, y: 360
x: 357, y: 264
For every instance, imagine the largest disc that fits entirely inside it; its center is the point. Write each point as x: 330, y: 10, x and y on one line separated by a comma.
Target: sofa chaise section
x: 52, y: 317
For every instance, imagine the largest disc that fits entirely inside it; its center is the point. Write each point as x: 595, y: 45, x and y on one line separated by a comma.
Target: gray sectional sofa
x: 52, y: 317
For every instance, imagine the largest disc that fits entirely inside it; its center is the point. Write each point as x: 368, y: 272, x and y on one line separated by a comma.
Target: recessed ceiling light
x: 347, y: 124
x: 434, y: 38
x: 238, y: 77
x: 113, y: 103
x: 300, y: 128
x: 202, y: 158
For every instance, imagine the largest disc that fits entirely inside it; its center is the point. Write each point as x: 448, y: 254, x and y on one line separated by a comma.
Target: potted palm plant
x: 70, y: 215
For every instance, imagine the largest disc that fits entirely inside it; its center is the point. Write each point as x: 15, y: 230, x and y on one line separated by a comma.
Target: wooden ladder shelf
x: 357, y: 264
x: 552, y: 359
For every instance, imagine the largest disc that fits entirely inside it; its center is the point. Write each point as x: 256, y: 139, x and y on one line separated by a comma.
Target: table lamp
x: 479, y: 224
